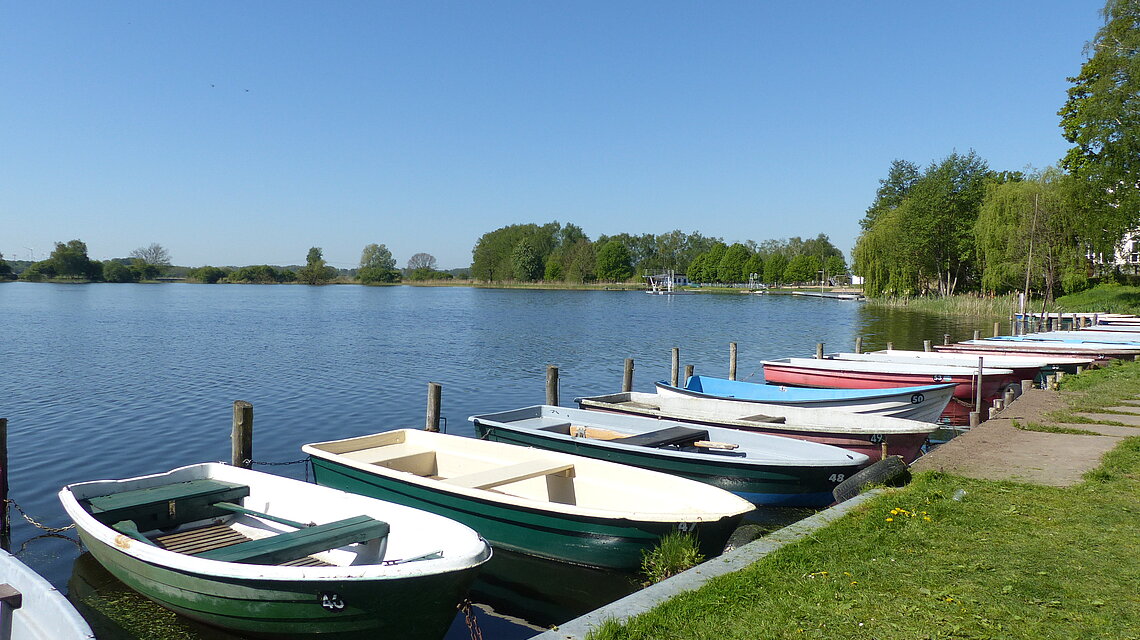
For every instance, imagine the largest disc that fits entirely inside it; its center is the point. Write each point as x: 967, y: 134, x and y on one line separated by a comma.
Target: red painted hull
x: 809, y: 377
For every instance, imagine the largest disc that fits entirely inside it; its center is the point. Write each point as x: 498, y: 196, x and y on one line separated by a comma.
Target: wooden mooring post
x: 627, y: 376
x: 434, y: 401
x: 552, y: 385
x: 858, y: 344
x: 945, y: 338
x: 819, y: 351
x: 5, y: 514
x: 688, y: 373
x: 926, y: 345
x: 732, y: 361
x: 978, y: 391
x: 977, y: 334
x: 241, y: 438
x: 676, y: 374
x: 997, y: 329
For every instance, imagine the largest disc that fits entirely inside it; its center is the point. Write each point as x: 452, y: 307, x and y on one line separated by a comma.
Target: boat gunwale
x: 499, y: 497
x: 213, y: 569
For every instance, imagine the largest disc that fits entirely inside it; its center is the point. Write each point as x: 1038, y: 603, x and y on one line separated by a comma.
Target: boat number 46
x: 332, y: 602
x: 836, y: 477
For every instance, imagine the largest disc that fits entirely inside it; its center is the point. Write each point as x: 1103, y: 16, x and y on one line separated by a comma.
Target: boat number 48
x: 332, y: 602
x: 836, y: 477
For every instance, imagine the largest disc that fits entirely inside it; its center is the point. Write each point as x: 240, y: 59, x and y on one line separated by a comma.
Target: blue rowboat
x: 763, y: 469
x: 924, y: 403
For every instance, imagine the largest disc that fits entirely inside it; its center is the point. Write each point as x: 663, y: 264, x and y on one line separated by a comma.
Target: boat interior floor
x: 218, y: 536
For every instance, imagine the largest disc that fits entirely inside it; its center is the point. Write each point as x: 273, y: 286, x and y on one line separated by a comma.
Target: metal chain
x: 277, y: 464
x: 472, y: 623
x: 37, y: 524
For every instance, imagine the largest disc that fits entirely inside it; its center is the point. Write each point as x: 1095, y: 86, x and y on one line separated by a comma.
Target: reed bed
x: 957, y: 305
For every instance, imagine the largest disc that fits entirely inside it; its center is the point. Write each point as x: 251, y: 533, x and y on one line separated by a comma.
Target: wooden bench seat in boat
x: 167, y: 505
x: 291, y: 545
x: 681, y: 436
x: 490, y: 478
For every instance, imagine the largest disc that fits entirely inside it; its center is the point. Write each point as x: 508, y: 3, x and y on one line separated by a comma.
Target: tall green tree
x: 150, y: 261
x: 754, y: 265
x: 1101, y: 118
x: 774, y: 266
x: 581, y: 261
x: 70, y: 260
x: 526, y: 263
x: 901, y: 178
x: 1027, y: 236
x: 377, y: 265
x: 614, y: 264
x: 731, y: 265
x: 316, y: 271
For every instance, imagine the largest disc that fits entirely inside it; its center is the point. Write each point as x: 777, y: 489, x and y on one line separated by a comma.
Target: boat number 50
x: 917, y: 398
x: 836, y: 478
x: 332, y: 602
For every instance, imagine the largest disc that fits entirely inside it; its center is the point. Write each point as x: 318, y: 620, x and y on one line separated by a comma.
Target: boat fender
x: 744, y: 534
x: 1012, y: 385
x: 890, y: 471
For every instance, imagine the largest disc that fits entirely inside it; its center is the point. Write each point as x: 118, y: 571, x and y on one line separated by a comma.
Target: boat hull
x: 925, y: 404
x: 607, y: 542
x: 964, y: 387
x: 765, y: 485
x: 420, y: 607
x: 870, y: 443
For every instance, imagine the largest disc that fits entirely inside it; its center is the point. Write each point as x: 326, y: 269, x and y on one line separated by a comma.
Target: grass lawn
x: 945, y: 557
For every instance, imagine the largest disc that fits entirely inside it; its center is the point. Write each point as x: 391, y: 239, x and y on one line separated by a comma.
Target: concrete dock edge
x: 696, y: 577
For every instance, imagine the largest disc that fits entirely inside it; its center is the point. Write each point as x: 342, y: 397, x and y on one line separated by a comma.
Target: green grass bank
x: 945, y: 557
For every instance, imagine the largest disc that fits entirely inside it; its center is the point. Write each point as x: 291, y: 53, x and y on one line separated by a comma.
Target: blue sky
x: 238, y: 133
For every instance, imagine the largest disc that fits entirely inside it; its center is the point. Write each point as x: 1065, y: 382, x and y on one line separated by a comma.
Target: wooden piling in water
x: 676, y: 374
x: 997, y: 329
x: 978, y: 391
x: 5, y: 513
x: 241, y: 438
x: 926, y: 345
x: 551, y: 385
x: 890, y: 346
x: 858, y: 344
x: 688, y: 373
x: 819, y: 351
x: 732, y: 361
x: 945, y: 338
x: 627, y: 376
x: 435, y: 391
x: 977, y: 334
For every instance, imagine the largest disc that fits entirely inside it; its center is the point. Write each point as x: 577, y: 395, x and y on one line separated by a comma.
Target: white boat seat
x: 490, y: 478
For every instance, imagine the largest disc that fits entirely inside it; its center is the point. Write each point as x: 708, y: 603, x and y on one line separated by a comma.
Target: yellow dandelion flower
x: 890, y: 519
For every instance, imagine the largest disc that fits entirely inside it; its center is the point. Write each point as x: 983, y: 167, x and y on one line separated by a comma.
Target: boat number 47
x: 836, y: 478
x: 332, y: 602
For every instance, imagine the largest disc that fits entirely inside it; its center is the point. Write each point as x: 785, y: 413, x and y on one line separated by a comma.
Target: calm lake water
x: 110, y: 381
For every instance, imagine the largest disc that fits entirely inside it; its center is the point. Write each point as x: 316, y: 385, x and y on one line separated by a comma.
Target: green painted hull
x: 767, y: 485
x: 610, y: 543
x: 419, y: 608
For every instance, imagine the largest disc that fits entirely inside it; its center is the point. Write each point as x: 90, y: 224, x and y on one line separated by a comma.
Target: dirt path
x: 996, y: 450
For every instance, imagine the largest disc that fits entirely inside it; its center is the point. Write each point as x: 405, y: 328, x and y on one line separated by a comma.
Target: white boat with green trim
x: 275, y: 557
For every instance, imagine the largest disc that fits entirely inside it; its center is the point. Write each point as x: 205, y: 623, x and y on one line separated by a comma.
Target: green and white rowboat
x: 542, y: 503
x: 274, y: 557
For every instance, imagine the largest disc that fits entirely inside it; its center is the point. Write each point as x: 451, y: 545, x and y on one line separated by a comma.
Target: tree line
x: 69, y: 261
x: 564, y: 253
x: 957, y: 225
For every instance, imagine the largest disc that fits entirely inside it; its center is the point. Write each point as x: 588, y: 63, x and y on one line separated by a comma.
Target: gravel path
x: 996, y: 450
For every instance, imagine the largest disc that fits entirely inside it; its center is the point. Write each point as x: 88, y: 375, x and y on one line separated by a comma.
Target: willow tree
x: 1027, y: 236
